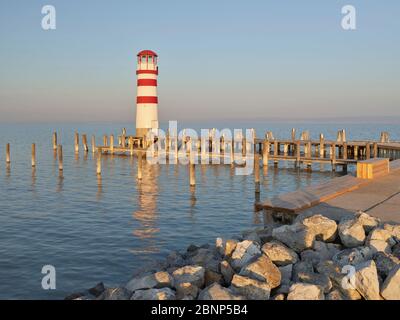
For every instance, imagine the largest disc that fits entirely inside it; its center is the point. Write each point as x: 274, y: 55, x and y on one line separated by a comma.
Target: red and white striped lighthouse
x: 147, y: 100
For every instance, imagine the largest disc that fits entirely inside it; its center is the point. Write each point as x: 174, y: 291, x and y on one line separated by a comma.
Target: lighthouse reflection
x: 146, y: 215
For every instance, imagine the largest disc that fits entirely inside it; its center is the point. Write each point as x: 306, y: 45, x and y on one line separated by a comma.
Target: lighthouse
x: 147, y: 100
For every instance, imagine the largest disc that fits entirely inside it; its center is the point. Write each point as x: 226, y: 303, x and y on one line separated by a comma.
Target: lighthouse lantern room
x: 147, y: 100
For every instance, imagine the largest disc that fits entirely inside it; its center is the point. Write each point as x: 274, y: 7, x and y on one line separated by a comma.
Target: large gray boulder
x: 322, y: 228
x: 115, y: 294
x: 190, y: 274
x: 295, y: 236
x: 186, y: 290
x: 159, y: 279
x: 337, y: 276
x: 321, y: 251
x: 225, y: 247
x: 279, y: 254
x: 226, y: 271
x: 154, y: 294
x: 250, y: 288
x: 244, y: 252
x: 367, y: 221
x: 380, y: 240
x: 366, y: 280
x: 205, y: 257
x: 351, y: 232
x: 394, y: 229
x: 385, y: 263
x: 305, y: 291
x: 391, y: 286
x: 217, y: 292
x: 353, y: 256
x: 263, y: 269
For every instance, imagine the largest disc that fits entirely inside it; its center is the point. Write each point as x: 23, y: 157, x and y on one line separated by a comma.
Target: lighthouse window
x: 150, y: 59
x: 143, y: 59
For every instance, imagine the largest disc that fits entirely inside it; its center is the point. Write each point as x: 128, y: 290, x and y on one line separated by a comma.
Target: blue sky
x: 218, y: 59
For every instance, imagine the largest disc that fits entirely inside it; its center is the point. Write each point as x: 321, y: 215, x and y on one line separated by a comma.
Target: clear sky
x: 218, y: 59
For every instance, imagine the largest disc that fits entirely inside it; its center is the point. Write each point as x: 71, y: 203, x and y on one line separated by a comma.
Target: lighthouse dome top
x: 147, y: 53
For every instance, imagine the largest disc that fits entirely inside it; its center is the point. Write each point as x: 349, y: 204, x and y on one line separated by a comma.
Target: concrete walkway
x: 379, y: 198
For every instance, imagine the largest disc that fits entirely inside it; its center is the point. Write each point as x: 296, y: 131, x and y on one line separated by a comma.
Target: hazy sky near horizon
x: 217, y: 59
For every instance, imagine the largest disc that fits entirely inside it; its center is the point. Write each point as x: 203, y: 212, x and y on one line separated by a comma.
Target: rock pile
x: 315, y: 258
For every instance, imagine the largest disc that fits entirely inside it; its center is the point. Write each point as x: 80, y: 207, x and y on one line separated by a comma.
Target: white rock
x: 191, y: 274
x: 244, y: 252
x: 321, y: 227
x: 351, y: 232
x: 217, y: 292
x: 280, y: 254
x: 186, y: 290
x: 391, y: 286
x: 367, y: 221
x: 263, y: 269
x: 296, y: 236
x: 380, y: 240
x: 154, y: 294
x: 394, y: 230
x: 250, y: 288
x: 305, y: 291
x: 225, y: 247
x: 156, y: 280
x: 366, y: 280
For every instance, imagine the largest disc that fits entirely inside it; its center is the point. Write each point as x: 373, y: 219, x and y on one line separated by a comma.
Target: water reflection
x: 99, y: 194
x: 147, y: 214
x: 60, y: 182
x: 33, y: 177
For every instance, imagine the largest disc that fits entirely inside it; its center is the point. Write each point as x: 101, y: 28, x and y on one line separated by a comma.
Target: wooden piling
x: 33, y: 157
x: 105, y: 143
x: 293, y: 134
x: 368, y: 151
x: 8, y: 159
x: 192, y: 172
x: 375, y: 150
x: 84, y: 143
x: 111, y: 143
x: 93, y: 144
x: 123, y: 141
x: 321, y: 146
x: 244, y: 144
x: 333, y: 156
x: 54, y: 140
x: 266, y: 147
x: 345, y: 150
x: 76, y: 142
x: 60, y: 158
x: 257, y: 172
x: 130, y: 141
x: 298, y: 154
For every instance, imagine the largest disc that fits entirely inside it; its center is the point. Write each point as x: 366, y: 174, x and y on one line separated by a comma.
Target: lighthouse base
x: 141, y: 132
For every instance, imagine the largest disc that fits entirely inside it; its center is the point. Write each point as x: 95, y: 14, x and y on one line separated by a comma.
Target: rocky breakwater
x: 314, y: 258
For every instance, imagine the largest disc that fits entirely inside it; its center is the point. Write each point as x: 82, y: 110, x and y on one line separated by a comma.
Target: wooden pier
x: 303, y: 151
x: 343, y: 196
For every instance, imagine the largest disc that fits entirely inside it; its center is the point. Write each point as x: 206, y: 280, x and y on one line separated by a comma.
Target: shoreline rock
x: 315, y: 258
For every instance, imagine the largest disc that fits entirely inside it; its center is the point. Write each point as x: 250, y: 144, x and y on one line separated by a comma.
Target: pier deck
x: 378, y: 197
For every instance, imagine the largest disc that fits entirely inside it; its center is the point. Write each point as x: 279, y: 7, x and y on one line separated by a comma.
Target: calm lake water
x: 95, y: 230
